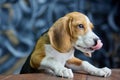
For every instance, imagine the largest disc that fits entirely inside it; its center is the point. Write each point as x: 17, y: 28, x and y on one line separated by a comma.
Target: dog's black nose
x: 95, y: 41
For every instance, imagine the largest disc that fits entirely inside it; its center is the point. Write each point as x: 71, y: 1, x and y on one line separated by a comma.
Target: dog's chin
x: 86, y: 50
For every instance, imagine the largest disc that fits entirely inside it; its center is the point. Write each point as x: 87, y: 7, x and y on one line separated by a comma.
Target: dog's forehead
x: 79, y: 17
x: 83, y: 18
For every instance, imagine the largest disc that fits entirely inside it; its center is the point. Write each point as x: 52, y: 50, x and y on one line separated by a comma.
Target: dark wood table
x: 77, y: 76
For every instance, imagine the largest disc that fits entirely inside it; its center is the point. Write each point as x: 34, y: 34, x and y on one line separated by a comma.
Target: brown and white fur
x: 55, y: 49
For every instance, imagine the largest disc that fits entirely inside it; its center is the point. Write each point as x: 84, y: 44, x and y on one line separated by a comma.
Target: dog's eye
x: 80, y: 26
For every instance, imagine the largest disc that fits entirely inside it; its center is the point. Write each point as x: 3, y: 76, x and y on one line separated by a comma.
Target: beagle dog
x: 54, y: 51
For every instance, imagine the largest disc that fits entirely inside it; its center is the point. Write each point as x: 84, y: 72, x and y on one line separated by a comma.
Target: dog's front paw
x: 64, y: 72
x: 105, y: 72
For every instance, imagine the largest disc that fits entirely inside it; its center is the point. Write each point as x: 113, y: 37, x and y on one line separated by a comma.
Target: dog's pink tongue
x: 98, y: 46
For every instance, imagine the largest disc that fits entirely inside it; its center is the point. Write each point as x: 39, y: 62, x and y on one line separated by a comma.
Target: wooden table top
x: 77, y: 76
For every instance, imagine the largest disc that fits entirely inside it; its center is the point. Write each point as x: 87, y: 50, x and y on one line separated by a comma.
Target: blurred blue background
x: 23, y: 21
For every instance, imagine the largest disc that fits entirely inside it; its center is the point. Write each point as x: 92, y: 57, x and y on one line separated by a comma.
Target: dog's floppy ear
x: 59, y: 35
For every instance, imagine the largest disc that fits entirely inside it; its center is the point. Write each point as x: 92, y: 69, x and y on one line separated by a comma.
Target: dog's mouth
x: 88, y: 50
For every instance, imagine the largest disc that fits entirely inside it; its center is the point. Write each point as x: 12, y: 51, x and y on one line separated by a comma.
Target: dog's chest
x: 56, y: 55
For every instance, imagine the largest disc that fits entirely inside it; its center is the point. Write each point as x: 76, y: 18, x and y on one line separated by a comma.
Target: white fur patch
x: 55, y: 61
x: 88, y: 21
x: 86, y: 41
x: 87, y: 67
x: 60, y: 57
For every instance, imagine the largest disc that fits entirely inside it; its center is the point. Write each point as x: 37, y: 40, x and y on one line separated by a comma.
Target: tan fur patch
x: 39, y: 51
x: 74, y: 61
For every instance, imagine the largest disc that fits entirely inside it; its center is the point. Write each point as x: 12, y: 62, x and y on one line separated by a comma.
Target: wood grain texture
x: 77, y: 76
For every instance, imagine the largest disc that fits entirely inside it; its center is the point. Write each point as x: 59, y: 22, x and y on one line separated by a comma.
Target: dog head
x: 74, y: 30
